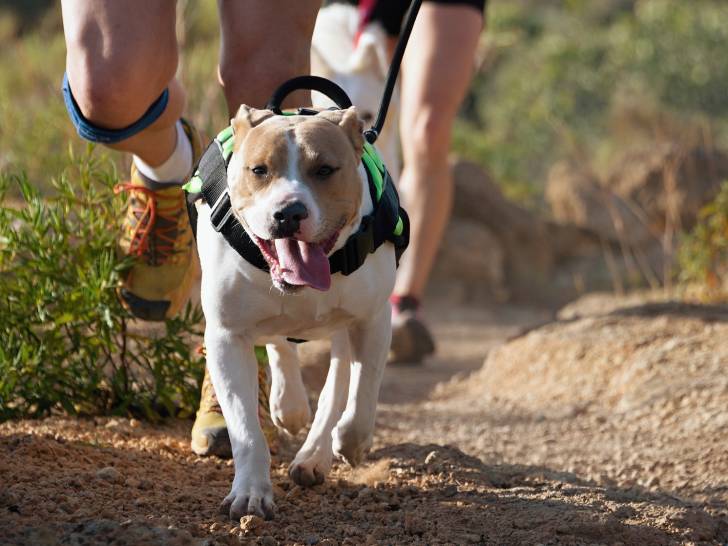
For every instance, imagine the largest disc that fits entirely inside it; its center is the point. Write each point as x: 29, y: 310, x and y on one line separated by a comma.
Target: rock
x: 632, y: 357
x: 577, y: 197
x: 251, y: 523
x: 523, y: 237
x: 645, y: 193
x: 414, y: 525
x: 669, y: 179
x: 109, y: 473
x: 472, y: 254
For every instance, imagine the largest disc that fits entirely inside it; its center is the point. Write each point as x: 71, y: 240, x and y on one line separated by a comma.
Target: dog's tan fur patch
x: 329, y: 139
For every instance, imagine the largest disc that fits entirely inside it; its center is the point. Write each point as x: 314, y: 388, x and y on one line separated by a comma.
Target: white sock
x: 177, y: 166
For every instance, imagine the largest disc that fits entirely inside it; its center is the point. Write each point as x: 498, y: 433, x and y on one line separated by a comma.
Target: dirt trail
x: 461, y: 456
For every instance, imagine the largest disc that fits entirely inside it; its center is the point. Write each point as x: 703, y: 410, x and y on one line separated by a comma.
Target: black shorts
x: 390, y: 13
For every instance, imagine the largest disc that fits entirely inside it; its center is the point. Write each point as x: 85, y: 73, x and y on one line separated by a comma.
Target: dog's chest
x: 304, y: 324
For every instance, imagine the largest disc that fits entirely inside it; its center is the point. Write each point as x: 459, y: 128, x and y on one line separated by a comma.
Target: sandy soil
x: 608, y: 426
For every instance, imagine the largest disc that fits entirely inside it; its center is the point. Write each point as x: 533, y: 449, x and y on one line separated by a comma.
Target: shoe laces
x: 150, y: 237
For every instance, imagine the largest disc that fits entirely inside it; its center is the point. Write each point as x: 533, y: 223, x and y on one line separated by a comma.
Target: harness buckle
x: 221, y: 211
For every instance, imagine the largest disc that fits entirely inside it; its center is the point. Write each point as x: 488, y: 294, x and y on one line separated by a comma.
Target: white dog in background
x: 360, y: 67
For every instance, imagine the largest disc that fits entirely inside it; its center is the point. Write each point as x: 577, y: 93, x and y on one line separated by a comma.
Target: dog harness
x: 388, y: 222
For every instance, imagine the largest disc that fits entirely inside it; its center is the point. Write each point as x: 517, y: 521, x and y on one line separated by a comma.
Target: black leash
x: 372, y: 134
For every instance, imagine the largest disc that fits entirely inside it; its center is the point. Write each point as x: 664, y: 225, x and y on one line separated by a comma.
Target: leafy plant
x: 65, y: 340
x: 703, y: 257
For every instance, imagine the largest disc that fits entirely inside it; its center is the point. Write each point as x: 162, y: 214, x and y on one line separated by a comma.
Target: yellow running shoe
x: 209, y: 433
x: 156, y: 232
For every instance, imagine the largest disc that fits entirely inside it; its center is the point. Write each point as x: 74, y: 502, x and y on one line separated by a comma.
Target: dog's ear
x: 349, y: 121
x: 247, y: 118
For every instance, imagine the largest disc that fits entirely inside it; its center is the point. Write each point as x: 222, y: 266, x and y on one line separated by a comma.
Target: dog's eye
x: 324, y: 171
x: 260, y: 170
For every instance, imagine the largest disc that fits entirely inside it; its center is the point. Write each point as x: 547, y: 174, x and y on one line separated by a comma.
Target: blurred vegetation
x: 584, y: 80
x: 703, y: 254
x: 556, y: 79
x: 66, y: 340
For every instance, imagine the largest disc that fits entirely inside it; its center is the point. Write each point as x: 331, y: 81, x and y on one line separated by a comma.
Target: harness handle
x: 313, y: 83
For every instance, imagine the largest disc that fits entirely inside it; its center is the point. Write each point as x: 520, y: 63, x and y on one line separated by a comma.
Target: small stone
x: 413, y: 525
x: 134, y: 423
x: 365, y: 493
x: 267, y: 540
x: 311, y: 540
x: 450, y: 490
x: 109, y: 473
x: 295, y: 493
x: 251, y: 523
x: 349, y: 530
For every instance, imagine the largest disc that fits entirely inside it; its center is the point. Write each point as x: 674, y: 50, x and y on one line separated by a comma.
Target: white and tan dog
x: 298, y: 188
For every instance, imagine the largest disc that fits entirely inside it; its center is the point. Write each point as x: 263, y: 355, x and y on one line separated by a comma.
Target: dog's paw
x: 310, y: 467
x: 289, y: 409
x: 350, y: 442
x: 289, y: 416
x: 249, y: 496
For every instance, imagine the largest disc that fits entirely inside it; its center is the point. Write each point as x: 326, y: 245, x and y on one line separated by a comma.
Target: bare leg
x: 436, y: 72
x: 120, y: 57
x: 263, y: 45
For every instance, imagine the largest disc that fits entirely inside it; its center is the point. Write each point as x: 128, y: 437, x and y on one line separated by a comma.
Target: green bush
x: 703, y: 256
x: 66, y: 343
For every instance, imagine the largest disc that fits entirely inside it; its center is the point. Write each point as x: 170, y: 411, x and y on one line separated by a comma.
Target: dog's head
x: 295, y: 188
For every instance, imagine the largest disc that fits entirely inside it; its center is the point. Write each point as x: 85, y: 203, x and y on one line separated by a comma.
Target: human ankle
x: 404, y: 302
x: 175, y: 169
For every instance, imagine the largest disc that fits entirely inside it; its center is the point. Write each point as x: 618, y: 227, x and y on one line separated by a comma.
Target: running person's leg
x: 121, y: 61
x: 121, y: 56
x: 436, y: 73
x: 263, y: 44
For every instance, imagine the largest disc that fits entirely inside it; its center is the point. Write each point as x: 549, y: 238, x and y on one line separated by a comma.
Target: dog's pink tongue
x: 303, y: 263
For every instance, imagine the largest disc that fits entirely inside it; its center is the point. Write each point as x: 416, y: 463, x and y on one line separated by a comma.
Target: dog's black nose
x: 288, y: 219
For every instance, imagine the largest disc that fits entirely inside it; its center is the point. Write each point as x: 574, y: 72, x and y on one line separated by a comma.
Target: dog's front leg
x: 313, y: 460
x: 234, y: 373
x: 370, y: 343
x: 288, y: 400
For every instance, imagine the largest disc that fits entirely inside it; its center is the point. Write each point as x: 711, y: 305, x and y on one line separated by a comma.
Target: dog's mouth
x: 296, y: 263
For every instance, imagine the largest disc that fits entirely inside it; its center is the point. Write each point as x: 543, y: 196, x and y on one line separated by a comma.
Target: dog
x: 298, y: 188
x: 357, y: 59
